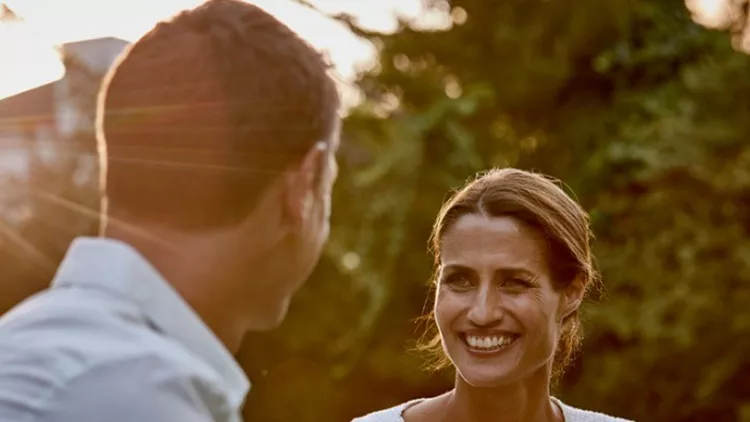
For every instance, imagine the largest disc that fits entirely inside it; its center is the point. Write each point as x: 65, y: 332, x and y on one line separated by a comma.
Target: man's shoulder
x: 82, y: 323
x: 39, y: 391
x: 49, y: 352
x: 47, y: 343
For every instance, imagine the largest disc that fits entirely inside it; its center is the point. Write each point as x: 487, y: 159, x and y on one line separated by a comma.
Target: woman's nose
x: 486, y: 308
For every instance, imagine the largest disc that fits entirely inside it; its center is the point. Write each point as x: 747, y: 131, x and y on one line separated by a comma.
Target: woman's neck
x: 525, y: 401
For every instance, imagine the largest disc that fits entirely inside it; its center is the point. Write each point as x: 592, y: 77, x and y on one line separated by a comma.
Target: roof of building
x: 33, y: 106
x: 37, y: 105
x: 97, y: 54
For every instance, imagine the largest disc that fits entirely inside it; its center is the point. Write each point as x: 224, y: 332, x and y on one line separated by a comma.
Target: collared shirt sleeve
x: 145, y: 390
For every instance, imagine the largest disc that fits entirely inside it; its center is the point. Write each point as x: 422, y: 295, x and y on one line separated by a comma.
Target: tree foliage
x: 638, y: 109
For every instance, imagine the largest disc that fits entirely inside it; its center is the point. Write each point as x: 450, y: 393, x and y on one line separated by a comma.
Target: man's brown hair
x: 204, y: 111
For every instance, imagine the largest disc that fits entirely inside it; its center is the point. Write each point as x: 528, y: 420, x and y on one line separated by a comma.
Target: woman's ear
x: 572, y: 297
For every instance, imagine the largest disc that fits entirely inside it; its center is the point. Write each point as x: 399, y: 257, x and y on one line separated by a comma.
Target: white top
x: 112, y: 341
x: 571, y: 414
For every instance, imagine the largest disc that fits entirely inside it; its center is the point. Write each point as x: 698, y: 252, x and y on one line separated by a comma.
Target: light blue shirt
x: 112, y: 341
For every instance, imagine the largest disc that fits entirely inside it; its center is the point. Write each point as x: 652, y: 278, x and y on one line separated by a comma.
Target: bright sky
x: 711, y: 13
x: 28, y: 58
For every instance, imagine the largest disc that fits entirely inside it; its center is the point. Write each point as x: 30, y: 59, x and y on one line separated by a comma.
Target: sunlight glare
x: 709, y: 13
x: 28, y: 59
x: 50, y: 22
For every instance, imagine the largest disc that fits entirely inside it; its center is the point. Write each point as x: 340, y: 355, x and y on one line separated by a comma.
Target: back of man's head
x: 202, y: 113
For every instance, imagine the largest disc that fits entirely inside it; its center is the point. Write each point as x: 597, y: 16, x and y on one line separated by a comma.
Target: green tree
x: 638, y: 109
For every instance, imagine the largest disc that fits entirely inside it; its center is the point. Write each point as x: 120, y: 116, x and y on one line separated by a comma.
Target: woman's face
x: 496, y: 307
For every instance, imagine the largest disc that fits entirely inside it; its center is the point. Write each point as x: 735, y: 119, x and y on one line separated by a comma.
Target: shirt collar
x: 114, y: 265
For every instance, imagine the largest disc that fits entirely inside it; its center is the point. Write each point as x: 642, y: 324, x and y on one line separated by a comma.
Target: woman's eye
x: 516, y: 283
x: 457, y: 281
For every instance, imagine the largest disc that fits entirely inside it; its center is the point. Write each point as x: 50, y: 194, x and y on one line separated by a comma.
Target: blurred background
x: 642, y: 107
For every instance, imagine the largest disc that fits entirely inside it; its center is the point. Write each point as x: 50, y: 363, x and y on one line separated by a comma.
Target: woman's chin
x: 487, y: 376
x: 484, y: 380
x: 499, y: 373
x: 487, y: 368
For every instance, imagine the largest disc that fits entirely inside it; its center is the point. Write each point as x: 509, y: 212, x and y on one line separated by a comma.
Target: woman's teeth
x: 489, y: 342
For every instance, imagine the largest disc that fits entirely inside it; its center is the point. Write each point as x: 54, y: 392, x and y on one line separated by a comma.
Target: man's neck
x: 216, y: 306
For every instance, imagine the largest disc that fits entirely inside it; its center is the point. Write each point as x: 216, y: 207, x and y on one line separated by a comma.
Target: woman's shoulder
x: 573, y: 414
x: 392, y: 414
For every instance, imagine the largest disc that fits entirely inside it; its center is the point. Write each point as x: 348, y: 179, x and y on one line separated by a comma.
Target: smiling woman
x: 513, y: 264
x: 497, y: 305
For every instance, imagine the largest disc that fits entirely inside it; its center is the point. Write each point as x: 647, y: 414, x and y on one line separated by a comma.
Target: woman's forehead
x: 505, y: 242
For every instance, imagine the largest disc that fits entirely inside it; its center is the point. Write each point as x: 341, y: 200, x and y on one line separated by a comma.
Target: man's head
x: 220, y: 127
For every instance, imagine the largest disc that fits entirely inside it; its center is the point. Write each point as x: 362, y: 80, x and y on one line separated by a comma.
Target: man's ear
x: 572, y: 297
x: 300, y: 185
